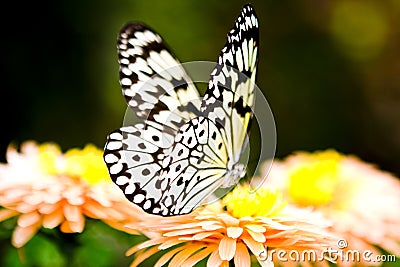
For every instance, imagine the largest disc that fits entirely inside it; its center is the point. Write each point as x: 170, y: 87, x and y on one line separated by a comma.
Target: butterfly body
x: 184, y: 149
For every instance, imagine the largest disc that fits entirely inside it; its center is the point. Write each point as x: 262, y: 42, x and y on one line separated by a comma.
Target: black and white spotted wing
x: 229, y: 97
x: 160, y: 93
x: 206, y: 150
x: 154, y: 83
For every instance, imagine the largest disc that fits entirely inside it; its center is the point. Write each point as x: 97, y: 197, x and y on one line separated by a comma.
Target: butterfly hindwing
x: 193, y: 166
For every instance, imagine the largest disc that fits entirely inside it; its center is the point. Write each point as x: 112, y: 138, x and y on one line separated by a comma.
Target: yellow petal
x: 227, y: 248
x: 242, y: 256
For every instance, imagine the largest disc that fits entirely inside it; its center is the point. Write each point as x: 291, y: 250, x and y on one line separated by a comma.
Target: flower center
x: 313, y: 180
x: 244, y: 201
x: 86, y: 164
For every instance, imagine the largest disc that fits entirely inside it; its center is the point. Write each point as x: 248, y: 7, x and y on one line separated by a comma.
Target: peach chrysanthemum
x: 45, y: 188
x: 361, y: 201
x: 232, y: 230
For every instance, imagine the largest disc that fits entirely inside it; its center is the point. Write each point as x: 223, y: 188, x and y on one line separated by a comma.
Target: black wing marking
x: 153, y: 81
x: 230, y: 94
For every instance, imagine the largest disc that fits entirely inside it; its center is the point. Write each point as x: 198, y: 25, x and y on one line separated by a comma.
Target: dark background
x: 329, y: 69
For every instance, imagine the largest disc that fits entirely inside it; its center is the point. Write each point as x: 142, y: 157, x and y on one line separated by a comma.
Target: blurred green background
x: 329, y: 69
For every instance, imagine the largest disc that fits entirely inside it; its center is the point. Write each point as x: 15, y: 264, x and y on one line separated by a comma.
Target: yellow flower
x: 46, y: 188
x: 224, y: 235
x: 242, y: 202
x: 314, y: 183
x: 360, y: 200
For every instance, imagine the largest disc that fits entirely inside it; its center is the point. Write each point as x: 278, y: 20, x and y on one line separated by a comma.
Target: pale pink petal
x: 21, y: 235
x: 47, y: 208
x: 234, y: 232
x: 203, y: 235
x: 242, y: 256
x: 26, y: 207
x: 259, y: 237
x: 192, y: 260
x: 141, y: 257
x: 167, y: 256
x: 6, y: 214
x: 183, y: 232
x: 28, y: 219
x: 72, y: 213
x: 227, y: 248
x: 170, y: 243
x: 181, y: 256
x: 214, y: 259
x: 256, y: 228
x: 255, y: 247
x: 229, y: 220
x: 53, y: 219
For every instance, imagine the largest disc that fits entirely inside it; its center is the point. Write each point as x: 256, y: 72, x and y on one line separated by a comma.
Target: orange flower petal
x: 6, y: 214
x: 26, y: 207
x: 184, y: 232
x: 256, y: 228
x: 259, y: 237
x: 167, y: 256
x: 170, y: 243
x: 72, y: 227
x: 141, y: 257
x: 214, y: 259
x: 229, y: 220
x: 181, y: 256
x: 255, y: 247
x: 53, y: 219
x: 203, y: 235
x: 72, y: 213
x: 234, y: 232
x: 242, y: 256
x: 21, y: 235
x: 227, y: 248
x: 28, y: 219
x: 46, y: 208
x: 195, y: 258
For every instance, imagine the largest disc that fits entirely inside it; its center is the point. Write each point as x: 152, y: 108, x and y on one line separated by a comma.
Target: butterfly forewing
x: 198, y: 162
x: 230, y: 94
x: 160, y: 93
x: 153, y: 81
x: 181, y: 152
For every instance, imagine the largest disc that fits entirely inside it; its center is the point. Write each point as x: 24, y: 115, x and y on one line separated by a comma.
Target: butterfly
x: 182, y: 150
